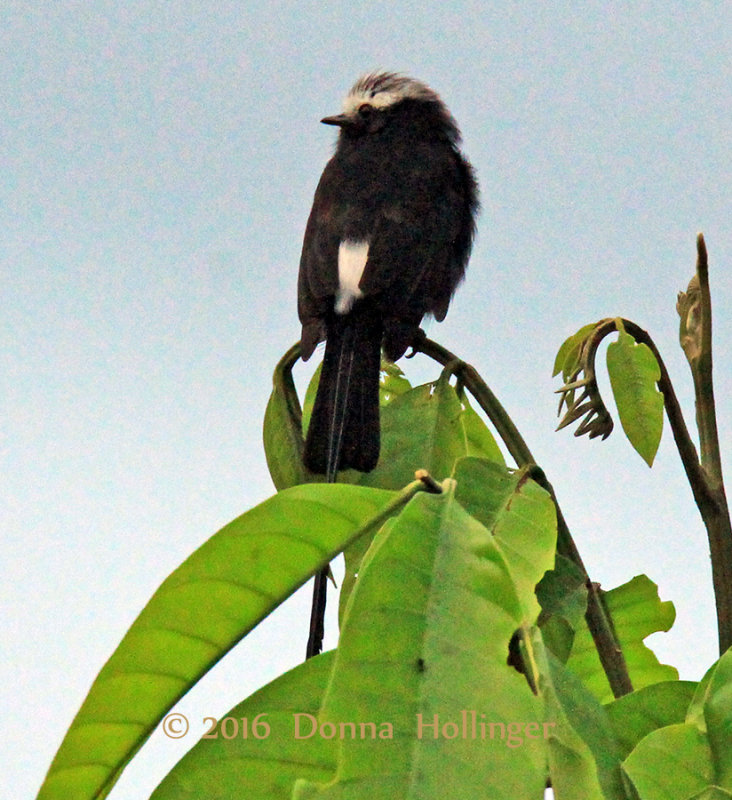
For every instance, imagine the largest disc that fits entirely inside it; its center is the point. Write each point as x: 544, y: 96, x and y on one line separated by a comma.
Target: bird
x: 386, y: 243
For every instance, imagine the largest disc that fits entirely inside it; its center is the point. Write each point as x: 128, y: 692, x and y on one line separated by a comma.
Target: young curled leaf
x: 580, y: 394
x: 568, y: 355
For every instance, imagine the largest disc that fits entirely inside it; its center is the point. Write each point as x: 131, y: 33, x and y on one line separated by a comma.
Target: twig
x: 429, y: 482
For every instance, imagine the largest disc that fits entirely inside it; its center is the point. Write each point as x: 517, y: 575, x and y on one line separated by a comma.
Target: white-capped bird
x: 387, y: 241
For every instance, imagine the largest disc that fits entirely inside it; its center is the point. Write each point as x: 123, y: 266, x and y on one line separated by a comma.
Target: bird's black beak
x: 339, y: 119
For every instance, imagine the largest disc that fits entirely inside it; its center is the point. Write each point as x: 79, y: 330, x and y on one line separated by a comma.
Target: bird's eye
x: 365, y: 109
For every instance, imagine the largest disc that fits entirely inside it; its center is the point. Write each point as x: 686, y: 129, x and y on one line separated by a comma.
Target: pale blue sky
x: 158, y: 164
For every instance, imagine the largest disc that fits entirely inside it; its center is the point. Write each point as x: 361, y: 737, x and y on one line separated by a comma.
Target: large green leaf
x: 633, y: 371
x: 637, y: 714
x: 428, y: 427
x: 197, y: 770
x: 265, y: 765
x: 487, y: 490
x: 671, y: 763
x: 636, y: 612
x: 200, y: 611
x: 424, y: 643
x: 584, y: 761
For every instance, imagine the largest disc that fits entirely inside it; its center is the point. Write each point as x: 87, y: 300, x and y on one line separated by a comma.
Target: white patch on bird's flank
x: 352, y: 257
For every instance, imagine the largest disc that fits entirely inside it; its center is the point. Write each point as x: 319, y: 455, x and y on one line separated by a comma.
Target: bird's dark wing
x: 424, y: 226
x: 407, y: 279
x: 414, y: 265
x: 466, y: 188
x: 318, y: 276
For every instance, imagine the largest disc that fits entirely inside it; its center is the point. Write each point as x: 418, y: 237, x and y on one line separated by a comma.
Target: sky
x: 159, y: 161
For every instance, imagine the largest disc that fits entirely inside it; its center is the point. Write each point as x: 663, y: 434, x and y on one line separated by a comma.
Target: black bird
x: 387, y: 242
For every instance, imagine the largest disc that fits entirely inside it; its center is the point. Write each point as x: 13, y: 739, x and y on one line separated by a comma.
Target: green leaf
x: 583, y: 754
x: 520, y: 515
x: 562, y: 595
x: 264, y: 767
x: 392, y: 383
x: 283, y: 441
x: 309, y: 401
x: 695, y: 714
x: 633, y: 371
x: 197, y: 615
x: 718, y: 717
x: 637, y: 714
x: 567, y: 359
x: 671, y: 763
x: 636, y: 612
x: 425, y: 641
x: 487, y: 489
x: 426, y: 428
x: 480, y: 442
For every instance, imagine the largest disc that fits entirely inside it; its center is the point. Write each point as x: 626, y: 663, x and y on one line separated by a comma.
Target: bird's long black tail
x: 344, y: 425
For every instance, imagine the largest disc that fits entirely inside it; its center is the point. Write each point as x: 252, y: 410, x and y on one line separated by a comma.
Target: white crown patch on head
x: 383, y: 89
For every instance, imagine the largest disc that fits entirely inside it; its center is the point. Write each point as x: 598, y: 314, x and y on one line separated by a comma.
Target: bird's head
x: 380, y: 100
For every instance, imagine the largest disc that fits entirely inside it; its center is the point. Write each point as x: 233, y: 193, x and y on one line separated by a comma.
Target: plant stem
x: 696, y: 341
x: 598, y: 621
